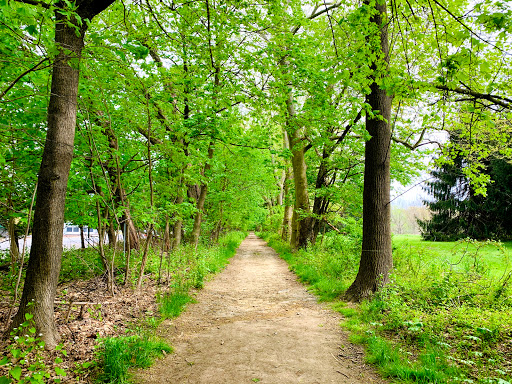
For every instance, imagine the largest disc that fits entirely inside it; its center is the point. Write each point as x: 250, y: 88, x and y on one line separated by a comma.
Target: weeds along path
x: 255, y: 323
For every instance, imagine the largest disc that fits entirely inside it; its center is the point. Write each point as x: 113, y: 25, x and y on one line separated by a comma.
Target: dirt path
x: 255, y: 323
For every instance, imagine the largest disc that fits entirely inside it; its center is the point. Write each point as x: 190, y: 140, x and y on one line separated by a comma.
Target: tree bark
x: 302, y: 210
x: 178, y: 225
x: 14, y: 249
x: 321, y: 202
x: 196, y: 230
x: 167, y: 237
x: 376, y: 257
x: 82, y: 237
x: 46, y: 251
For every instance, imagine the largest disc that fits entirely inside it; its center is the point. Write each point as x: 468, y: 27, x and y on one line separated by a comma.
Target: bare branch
x: 13, y: 83
x: 498, y: 100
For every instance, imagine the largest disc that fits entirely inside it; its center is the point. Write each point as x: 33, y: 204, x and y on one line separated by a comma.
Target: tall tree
x: 376, y: 258
x: 46, y: 251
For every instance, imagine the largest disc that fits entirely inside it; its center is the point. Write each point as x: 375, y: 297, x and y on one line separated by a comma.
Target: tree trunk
x: 114, y: 171
x: 46, y: 251
x: 167, y: 235
x: 14, y: 250
x: 111, y: 234
x: 321, y: 202
x: 301, y: 210
x: 286, y: 226
x: 145, y: 256
x: 293, y: 234
x: 82, y: 237
x: 178, y: 225
x: 376, y: 257
x: 128, y: 255
x: 196, y: 230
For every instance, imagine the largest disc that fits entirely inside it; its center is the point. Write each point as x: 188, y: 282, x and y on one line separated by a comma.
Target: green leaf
x: 59, y: 371
x: 5, y: 380
x: 28, y: 316
x: 16, y: 372
x: 4, y: 360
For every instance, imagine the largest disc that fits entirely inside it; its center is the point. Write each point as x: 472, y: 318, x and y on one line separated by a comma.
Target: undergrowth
x: 118, y: 354
x: 445, y: 317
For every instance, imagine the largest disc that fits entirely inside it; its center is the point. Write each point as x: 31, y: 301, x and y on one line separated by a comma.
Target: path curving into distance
x: 255, y: 323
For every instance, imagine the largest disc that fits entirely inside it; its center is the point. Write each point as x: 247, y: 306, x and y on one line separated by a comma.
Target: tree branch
x: 20, y: 77
x: 412, y: 147
x: 316, y: 13
x: 498, y: 100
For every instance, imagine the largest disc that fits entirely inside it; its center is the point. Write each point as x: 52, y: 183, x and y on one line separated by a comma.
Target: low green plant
x: 118, y: 354
x: 25, y: 357
x: 173, y: 303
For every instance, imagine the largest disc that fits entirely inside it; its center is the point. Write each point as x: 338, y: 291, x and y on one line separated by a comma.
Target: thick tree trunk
x: 321, y: 202
x: 376, y: 257
x: 302, y: 211
x: 46, y: 250
x: 112, y: 234
x: 286, y: 226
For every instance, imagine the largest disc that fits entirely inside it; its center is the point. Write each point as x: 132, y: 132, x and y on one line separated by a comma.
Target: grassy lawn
x: 494, y: 258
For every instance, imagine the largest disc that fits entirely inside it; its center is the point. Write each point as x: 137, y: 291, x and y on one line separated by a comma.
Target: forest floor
x: 256, y: 323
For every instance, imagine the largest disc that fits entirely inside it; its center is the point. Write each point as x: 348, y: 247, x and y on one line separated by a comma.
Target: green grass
x: 493, y: 257
x: 445, y: 317
x: 172, y: 304
x: 118, y: 354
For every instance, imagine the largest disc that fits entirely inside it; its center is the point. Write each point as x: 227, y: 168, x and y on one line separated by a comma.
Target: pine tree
x: 458, y: 212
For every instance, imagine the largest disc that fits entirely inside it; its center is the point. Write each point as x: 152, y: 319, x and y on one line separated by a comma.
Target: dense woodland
x: 176, y: 122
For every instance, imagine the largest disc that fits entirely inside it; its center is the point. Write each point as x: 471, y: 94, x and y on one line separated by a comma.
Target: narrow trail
x: 255, y: 323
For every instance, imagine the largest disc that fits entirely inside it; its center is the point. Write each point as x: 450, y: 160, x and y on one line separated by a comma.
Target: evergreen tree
x: 458, y: 212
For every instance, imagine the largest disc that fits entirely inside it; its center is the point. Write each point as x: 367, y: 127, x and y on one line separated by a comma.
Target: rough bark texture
x: 286, y: 226
x: 376, y: 257
x: 301, y: 192
x: 46, y: 251
x: 321, y: 202
x: 301, y: 210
